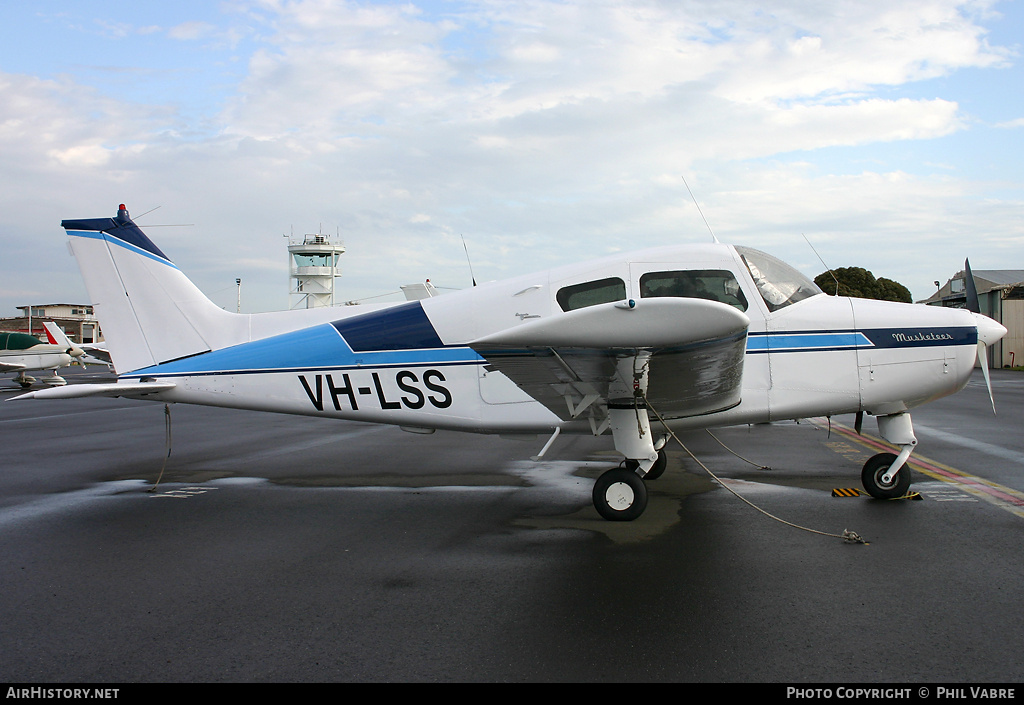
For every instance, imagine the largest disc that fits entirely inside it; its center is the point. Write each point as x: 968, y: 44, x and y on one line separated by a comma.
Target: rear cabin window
x: 712, y: 284
x: 601, y: 291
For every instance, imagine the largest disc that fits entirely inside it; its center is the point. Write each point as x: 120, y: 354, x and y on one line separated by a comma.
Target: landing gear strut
x: 886, y: 475
x: 656, y: 471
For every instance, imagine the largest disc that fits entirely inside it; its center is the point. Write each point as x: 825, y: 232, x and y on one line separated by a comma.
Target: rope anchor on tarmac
x: 847, y: 535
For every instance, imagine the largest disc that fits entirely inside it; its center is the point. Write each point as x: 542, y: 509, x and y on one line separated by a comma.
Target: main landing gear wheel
x: 620, y: 495
x: 875, y: 468
x: 656, y: 471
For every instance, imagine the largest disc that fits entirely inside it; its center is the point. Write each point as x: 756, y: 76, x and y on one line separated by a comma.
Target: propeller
x: 989, y: 331
x: 76, y: 354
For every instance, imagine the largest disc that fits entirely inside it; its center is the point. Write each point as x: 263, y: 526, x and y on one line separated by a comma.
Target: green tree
x: 859, y: 282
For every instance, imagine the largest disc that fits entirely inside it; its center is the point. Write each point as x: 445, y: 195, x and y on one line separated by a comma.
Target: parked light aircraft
x: 21, y: 352
x: 700, y: 336
x: 91, y: 352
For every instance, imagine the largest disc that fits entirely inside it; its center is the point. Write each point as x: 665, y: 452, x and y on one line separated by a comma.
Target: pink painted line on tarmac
x: 957, y: 477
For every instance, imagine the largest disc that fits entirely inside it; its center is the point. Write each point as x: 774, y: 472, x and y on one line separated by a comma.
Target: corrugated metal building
x: 1000, y: 296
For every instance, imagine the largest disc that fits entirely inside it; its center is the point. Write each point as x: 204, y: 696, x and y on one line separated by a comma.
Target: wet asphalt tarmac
x: 289, y: 549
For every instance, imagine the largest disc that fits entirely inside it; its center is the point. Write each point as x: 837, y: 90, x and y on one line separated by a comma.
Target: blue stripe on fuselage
x: 323, y: 347
x: 318, y: 347
x: 806, y: 341
x: 819, y: 341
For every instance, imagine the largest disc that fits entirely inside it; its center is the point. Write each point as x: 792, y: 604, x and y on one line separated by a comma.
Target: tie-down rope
x: 847, y: 535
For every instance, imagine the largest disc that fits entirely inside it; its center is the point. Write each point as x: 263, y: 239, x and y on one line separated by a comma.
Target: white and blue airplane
x: 678, y: 337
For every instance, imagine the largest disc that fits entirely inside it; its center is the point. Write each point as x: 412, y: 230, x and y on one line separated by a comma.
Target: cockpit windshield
x: 779, y: 284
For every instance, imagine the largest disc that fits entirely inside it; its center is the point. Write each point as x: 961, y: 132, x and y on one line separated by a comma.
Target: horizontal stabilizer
x: 114, y: 389
x: 647, y: 323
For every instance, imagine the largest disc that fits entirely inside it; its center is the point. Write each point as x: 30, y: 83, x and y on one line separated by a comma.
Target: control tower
x: 313, y: 267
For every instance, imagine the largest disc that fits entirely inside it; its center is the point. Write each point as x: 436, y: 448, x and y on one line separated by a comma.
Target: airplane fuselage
x: 411, y: 364
x: 43, y: 360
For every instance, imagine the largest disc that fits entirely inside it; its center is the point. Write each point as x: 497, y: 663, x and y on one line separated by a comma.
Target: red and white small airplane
x: 91, y: 352
x: 697, y: 336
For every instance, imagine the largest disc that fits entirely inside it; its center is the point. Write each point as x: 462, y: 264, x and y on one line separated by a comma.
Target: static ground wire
x: 167, y: 442
x: 847, y: 535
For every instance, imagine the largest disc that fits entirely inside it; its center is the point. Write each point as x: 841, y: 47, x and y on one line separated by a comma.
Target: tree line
x: 859, y: 282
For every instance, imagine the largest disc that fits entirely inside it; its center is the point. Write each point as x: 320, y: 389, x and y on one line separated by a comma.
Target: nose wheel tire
x: 875, y: 468
x: 620, y: 495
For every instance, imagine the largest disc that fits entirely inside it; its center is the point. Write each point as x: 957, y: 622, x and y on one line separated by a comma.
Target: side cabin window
x: 592, y: 293
x: 712, y: 284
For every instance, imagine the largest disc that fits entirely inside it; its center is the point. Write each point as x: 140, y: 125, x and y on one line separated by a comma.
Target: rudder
x: 149, y: 310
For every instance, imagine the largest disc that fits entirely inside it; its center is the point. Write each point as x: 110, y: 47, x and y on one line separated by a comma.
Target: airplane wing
x: 693, y: 350
x: 114, y: 389
x: 98, y: 353
x: 11, y: 367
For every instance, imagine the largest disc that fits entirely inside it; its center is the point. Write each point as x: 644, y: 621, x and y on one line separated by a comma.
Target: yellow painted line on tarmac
x: 1005, y: 498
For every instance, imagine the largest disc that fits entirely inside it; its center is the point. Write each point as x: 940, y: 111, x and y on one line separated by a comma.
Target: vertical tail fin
x: 55, y: 336
x: 150, y: 312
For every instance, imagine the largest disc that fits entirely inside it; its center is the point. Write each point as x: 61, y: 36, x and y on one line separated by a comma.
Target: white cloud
x: 189, y: 31
x: 543, y: 131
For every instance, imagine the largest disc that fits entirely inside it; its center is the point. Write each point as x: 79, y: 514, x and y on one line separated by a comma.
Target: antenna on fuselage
x: 822, y: 262
x: 713, y: 236
x: 471, y: 275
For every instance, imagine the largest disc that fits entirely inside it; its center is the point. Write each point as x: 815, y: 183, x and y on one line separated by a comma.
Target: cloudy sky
x: 888, y: 134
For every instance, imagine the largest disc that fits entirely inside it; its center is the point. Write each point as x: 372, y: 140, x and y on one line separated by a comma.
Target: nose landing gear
x: 880, y: 482
x: 886, y: 475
